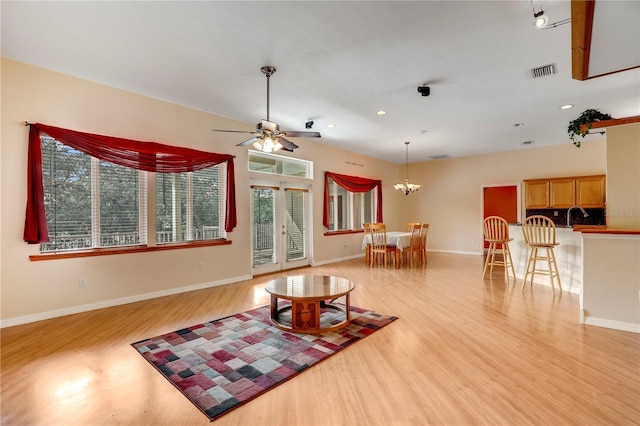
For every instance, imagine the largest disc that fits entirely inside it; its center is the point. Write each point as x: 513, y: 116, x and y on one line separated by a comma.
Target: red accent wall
x: 501, y: 201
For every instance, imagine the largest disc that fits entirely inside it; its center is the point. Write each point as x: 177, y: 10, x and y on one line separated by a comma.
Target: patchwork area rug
x: 222, y: 364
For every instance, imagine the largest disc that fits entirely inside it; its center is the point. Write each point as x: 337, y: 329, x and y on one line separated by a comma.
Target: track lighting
x: 540, y: 19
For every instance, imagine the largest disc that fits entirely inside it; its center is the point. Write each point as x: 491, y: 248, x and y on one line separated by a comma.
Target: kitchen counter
x: 610, y: 294
x: 601, y: 265
x: 568, y: 257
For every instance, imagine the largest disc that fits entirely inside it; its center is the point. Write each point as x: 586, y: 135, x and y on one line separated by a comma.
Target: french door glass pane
x: 295, y: 217
x: 264, y: 226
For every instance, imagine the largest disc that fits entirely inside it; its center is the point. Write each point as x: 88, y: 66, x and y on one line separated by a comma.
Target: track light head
x: 424, y: 90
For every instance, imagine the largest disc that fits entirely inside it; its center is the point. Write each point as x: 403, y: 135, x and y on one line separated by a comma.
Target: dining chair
x: 540, y: 235
x: 414, y: 246
x: 408, y: 226
x: 423, y: 243
x: 367, y: 231
x: 379, y: 247
x: 496, y: 233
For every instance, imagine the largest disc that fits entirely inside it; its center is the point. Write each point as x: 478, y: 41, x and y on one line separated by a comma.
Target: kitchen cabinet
x: 590, y: 191
x: 565, y: 192
x: 536, y: 193
x: 562, y: 193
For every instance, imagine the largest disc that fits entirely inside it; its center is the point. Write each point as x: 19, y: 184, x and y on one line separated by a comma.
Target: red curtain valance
x: 148, y: 156
x: 352, y: 184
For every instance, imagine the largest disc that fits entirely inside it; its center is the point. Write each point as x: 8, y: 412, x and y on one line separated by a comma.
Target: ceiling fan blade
x: 231, y: 131
x: 269, y: 126
x: 247, y: 142
x: 286, y: 144
x: 294, y: 134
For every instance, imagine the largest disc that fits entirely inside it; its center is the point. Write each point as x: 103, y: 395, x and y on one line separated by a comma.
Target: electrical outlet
x: 201, y: 266
x: 345, y: 245
x: 555, y: 212
x: 82, y: 283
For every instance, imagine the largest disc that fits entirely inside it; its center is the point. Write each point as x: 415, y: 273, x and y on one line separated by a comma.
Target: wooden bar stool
x: 496, y: 232
x: 540, y: 235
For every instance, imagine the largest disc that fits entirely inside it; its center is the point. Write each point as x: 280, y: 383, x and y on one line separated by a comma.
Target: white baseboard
x: 339, y: 259
x: 616, y: 325
x: 10, y: 322
x: 473, y: 253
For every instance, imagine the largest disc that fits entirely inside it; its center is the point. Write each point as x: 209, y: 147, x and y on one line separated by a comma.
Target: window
x: 349, y: 210
x: 280, y: 165
x: 91, y: 203
x: 188, y: 205
x: 88, y: 202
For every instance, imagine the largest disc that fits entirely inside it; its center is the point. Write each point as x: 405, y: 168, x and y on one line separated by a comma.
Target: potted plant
x: 581, y: 125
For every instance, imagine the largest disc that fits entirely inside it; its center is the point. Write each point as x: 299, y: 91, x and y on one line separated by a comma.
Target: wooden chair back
x: 423, y: 242
x: 378, y: 237
x: 423, y: 235
x: 496, y: 228
x: 415, y: 230
x: 539, y: 230
x: 408, y: 226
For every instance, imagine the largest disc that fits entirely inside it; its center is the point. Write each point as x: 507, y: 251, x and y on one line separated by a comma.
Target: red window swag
x: 352, y: 184
x: 148, y: 156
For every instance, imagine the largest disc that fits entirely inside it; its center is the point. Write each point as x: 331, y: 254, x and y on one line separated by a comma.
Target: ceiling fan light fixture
x: 268, y: 144
x: 407, y: 188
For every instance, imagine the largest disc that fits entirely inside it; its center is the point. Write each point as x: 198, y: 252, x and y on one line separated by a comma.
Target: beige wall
x: 450, y: 198
x: 623, y: 176
x: 451, y: 195
x: 32, y: 290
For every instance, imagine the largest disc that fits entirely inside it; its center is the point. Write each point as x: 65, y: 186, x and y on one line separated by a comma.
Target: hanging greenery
x: 579, y: 127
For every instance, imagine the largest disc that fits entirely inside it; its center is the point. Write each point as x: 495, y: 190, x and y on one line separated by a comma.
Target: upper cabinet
x: 536, y: 193
x: 562, y: 193
x: 590, y: 191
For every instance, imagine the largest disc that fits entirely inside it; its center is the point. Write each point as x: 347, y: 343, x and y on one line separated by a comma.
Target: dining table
x: 400, y: 239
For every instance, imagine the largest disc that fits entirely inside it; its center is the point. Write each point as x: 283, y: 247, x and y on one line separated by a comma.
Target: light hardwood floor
x: 464, y: 351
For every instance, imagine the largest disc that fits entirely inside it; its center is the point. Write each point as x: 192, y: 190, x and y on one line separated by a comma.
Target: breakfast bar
x: 602, y: 265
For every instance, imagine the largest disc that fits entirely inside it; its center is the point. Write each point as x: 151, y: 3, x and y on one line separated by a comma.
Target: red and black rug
x: 222, y: 364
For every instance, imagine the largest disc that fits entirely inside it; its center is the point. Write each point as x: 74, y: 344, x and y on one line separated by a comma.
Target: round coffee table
x: 308, y: 295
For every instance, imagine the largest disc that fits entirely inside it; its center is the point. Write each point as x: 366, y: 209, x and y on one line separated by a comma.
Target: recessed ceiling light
x: 566, y: 106
x: 331, y: 125
x: 518, y: 124
x: 381, y: 112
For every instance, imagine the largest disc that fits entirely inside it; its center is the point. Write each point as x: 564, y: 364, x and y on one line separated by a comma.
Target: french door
x: 280, y: 218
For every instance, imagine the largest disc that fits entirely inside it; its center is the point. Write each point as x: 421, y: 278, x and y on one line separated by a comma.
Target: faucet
x: 569, y: 214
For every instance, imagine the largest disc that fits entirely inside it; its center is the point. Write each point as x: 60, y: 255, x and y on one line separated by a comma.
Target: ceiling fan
x: 268, y: 137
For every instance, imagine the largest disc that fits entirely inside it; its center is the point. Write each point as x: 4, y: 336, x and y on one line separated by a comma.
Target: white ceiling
x: 337, y: 62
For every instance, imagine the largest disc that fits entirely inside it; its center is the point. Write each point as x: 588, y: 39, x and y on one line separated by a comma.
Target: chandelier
x: 406, y: 188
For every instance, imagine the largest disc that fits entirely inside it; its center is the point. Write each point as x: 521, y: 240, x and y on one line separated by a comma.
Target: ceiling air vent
x: 544, y: 71
x: 439, y: 157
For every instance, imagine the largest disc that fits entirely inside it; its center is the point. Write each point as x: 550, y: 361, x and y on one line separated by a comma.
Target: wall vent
x: 544, y: 71
x: 439, y: 157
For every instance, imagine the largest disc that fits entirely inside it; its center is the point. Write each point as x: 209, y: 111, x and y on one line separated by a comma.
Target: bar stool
x: 496, y: 232
x: 540, y: 235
